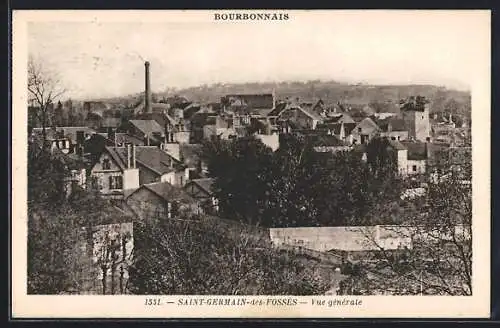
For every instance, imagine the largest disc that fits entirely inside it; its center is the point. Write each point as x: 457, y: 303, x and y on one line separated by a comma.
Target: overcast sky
x: 99, y: 58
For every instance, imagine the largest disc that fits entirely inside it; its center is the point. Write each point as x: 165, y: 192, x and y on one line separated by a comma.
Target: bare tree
x: 438, y: 259
x: 44, y: 88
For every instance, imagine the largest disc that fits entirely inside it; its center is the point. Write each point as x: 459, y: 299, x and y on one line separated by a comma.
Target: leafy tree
x: 240, y: 168
x: 297, y: 186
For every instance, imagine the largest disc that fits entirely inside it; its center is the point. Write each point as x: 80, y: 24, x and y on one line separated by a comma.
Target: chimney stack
x: 147, y: 100
x: 129, y: 155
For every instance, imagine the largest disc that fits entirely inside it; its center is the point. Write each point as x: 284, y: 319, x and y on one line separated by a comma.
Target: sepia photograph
x: 275, y: 160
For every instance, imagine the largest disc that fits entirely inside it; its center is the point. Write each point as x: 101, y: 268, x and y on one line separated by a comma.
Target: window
x: 116, y: 182
x: 359, y: 130
x: 106, y: 164
x: 393, y: 138
x: 414, y: 168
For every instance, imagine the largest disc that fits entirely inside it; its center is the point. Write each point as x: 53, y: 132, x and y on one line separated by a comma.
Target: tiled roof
x: 348, y: 127
x: 148, y: 127
x: 338, y: 118
x: 205, y: 184
x: 396, y: 145
x: 278, y: 110
x: 168, y: 192
x: 150, y: 157
x: 396, y: 124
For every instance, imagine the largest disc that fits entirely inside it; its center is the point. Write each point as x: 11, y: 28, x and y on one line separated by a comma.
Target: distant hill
x: 442, y: 99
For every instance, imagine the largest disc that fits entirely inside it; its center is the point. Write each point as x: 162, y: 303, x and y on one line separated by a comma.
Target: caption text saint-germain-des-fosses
x: 251, y: 16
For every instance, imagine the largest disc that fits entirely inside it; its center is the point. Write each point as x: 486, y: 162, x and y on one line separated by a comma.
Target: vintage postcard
x: 251, y: 164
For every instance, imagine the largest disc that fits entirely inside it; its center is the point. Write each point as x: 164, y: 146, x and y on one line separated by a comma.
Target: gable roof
x: 278, y: 109
x: 150, y: 157
x: 167, y: 192
x: 395, y: 123
x: 396, y: 145
x: 148, y: 127
x: 205, y: 184
x: 367, y: 122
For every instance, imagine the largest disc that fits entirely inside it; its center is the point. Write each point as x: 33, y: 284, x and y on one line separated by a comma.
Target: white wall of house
x: 63, y: 145
x: 272, y: 140
x: 106, y: 168
x: 416, y: 166
x: 402, y: 157
x: 130, y: 179
x: 169, y: 177
x: 395, y: 135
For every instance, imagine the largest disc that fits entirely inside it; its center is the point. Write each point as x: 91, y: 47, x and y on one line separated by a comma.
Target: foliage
x: 297, y: 186
x: 184, y: 256
x: 55, y: 222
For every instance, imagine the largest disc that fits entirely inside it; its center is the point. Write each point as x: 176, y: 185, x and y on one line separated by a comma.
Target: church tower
x: 416, y: 117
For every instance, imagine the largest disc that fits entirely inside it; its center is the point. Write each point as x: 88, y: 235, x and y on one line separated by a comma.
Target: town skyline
x: 408, y: 49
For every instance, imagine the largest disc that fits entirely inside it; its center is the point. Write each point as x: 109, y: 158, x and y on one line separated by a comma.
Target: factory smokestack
x: 147, y: 95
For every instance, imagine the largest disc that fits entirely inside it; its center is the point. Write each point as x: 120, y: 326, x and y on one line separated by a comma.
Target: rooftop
x: 168, y: 192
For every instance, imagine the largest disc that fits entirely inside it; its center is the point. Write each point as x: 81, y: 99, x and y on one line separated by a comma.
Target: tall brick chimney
x: 147, y: 95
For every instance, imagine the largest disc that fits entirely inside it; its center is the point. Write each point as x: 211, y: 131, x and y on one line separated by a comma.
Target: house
x: 364, y: 131
x: 102, y: 115
x: 75, y: 171
x: 64, y: 138
x: 148, y: 130
x: 191, y: 157
x: 417, y: 156
x: 393, y: 128
x: 160, y: 200
x: 401, y: 154
x: 202, y: 191
x: 216, y: 126
x: 327, y: 143
x: 120, y: 139
x: 339, y: 118
x: 201, y: 118
x: 293, y: 112
x: 317, y: 107
x: 115, y: 174
x: 254, y: 104
x: 341, y: 130
x: 270, y: 140
x: 156, y: 165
